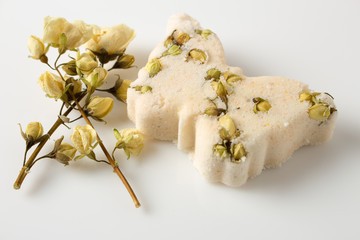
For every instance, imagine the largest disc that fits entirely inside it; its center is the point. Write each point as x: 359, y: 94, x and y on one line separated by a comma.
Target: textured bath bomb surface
x: 233, y: 126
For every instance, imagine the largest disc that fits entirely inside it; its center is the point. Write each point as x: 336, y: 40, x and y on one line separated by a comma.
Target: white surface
x: 315, y: 195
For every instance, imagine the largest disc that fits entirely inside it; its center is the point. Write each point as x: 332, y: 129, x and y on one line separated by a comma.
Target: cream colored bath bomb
x: 232, y: 125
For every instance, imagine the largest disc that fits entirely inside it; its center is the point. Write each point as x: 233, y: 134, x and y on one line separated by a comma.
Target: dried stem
x: 108, y: 156
x: 25, y: 169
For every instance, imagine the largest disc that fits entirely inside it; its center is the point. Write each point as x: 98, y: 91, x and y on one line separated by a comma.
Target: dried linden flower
x: 34, y: 131
x: 97, y: 77
x: 198, y: 55
x: 65, y: 153
x: 121, y: 90
x: 82, y: 138
x: 86, y: 63
x: 238, y: 152
x: 99, y: 107
x: 37, y: 48
x: 213, y: 73
x: 169, y: 41
x: 227, y: 127
x: 125, y: 61
x: 220, y: 150
x: 52, y: 85
x: 153, y: 67
x: 70, y: 68
x: 131, y: 140
x: 319, y: 111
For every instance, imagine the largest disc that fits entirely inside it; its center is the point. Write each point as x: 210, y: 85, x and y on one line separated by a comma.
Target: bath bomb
x: 232, y: 125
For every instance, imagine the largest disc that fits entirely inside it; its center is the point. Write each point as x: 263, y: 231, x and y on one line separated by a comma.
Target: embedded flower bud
x: 220, y: 151
x: 198, y: 55
x: 319, y: 111
x: 213, y: 73
x: 70, y: 68
x: 82, y: 138
x: 213, y: 111
x: 153, y: 67
x: 174, y: 50
x: 34, y: 131
x: 219, y: 88
x: 86, y: 63
x: 99, y: 107
x: 97, y: 77
x: 227, y: 127
x: 232, y: 78
x: 52, y: 85
x: 305, y: 97
x: 205, y: 33
x: 168, y: 42
x: 238, y: 152
x: 181, y: 37
x: 125, y: 61
x: 121, y: 89
x: 65, y: 153
x: 145, y: 89
x: 36, y: 48
x: 261, y: 105
x: 131, y: 140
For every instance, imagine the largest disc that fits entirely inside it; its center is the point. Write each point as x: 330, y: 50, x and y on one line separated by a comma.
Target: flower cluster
x: 78, y: 78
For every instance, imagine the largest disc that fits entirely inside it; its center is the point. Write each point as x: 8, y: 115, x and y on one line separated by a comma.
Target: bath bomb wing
x: 234, y: 126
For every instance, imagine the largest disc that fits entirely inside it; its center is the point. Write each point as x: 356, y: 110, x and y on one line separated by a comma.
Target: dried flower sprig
x: 78, y: 79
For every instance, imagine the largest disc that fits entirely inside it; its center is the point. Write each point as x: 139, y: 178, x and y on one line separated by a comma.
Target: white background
x: 315, y: 195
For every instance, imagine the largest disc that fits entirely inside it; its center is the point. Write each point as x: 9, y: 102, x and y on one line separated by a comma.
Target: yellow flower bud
x: 219, y: 88
x: 82, y: 138
x: 121, y: 91
x: 77, y: 33
x: 36, y: 47
x: 131, y: 140
x: 198, y: 55
x: 52, y: 85
x: 145, y: 89
x: 181, y: 37
x: 238, y: 152
x: 220, y: 150
x: 97, y: 77
x: 124, y: 62
x: 70, y: 68
x: 113, y: 40
x: 205, y: 33
x: 213, y: 73
x: 227, y: 127
x: 99, y: 107
x: 65, y: 153
x: 86, y: 63
x: 232, y: 78
x: 153, y: 67
x: 305, y: 97
x: 319, y: 111
x: 34, y: 131
x: 261, y: 105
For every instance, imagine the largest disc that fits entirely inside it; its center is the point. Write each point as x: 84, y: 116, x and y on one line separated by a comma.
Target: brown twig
x: 108, y: 156
x: 25, y: 169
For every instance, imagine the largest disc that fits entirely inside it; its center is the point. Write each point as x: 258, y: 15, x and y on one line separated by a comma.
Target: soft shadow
x: 308, y: 162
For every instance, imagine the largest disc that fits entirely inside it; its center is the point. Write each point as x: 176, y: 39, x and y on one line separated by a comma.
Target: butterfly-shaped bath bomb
x: 234, y: 126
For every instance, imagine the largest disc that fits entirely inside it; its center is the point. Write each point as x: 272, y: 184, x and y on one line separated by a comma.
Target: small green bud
x: 153, y: 67
x: 198, y: 55
x: 213, y: 73
x: 319, y: 111
x: 238, y: 152
x: 220, y: 150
